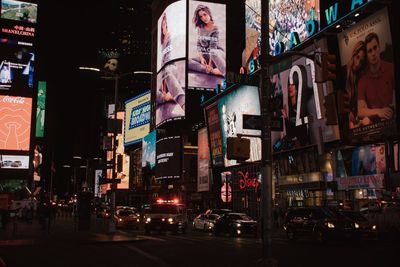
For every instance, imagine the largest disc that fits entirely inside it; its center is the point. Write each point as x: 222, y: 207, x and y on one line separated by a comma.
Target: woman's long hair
x: 198, y: 23
x: 352, y: 79
x: 162, y: 36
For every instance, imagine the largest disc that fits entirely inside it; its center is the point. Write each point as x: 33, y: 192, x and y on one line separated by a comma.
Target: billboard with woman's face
x: 366, y: 54
x: 171, y: 34
x: 303, y: 111
x: 207, y: 45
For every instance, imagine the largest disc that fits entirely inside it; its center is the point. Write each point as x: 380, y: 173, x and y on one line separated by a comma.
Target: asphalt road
x: 199, y: 249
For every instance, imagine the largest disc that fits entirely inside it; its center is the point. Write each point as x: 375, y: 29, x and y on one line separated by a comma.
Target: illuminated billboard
x: 40, y: 109
x: 366, y: 54
x: 16, y: 67
x: 14, y: 162
x: 15, y: 122
x: 302, y: 103
x: 170, y: 95
x: 291, y: 23
x: 253, y: 35
x: 123, y: 165
x: 203, y: 162
x: 171, y: 34
x: 169, y: 158
x: 367, y: 160
x: 19, y: 11
x: 137, y: 118
x: 149, y: 150
x: 242, y: 100
x: 207, y: 45
x: 214, y: 130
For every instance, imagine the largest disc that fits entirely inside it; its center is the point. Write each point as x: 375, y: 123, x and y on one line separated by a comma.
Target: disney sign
x: 246, y: 182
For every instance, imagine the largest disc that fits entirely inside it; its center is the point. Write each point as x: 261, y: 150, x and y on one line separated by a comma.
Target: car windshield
x: 125, y: 213
x: 163, y: 208
x: 242, y: 217
x: 354, y: 215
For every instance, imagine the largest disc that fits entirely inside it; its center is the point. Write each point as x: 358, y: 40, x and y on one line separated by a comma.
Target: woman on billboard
x: 210, y: 55
x: 170, y: 89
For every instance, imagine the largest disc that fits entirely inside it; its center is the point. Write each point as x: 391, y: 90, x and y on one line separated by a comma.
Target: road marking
x: 152, y: 238
x: 149, y: 256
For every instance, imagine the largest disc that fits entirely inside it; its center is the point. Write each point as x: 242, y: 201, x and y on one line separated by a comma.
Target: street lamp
x: 116, y: 76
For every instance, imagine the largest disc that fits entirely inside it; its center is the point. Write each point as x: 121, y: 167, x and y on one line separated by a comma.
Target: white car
x: 205, y: 222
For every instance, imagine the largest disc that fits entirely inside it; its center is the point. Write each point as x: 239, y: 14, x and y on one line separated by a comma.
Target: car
x: 164, y: 216
x: 205, y: 222
x: 317, y: 222
x: 6, y: 163
x: 16, y: 163
x: 365, y: 228
x: 104, y: 213
x: 127, y: 218
x: 235, y: 224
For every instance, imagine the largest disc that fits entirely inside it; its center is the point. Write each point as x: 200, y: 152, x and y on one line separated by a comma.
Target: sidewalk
x: 62, y: 230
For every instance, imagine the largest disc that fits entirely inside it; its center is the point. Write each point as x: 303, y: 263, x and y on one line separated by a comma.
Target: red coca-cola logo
x: 247, y: 182
x: 14, y: 100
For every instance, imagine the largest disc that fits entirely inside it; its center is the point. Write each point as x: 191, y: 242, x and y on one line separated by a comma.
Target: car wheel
x: 290, y: 234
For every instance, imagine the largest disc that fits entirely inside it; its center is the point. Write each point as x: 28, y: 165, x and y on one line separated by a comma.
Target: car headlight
x: 330, y: 225
x: 374, y: 227
x: 148, y: 219
x: 120, y: 219
x: 356, y: 225
x: 170, y: 220
x: 238, y: 225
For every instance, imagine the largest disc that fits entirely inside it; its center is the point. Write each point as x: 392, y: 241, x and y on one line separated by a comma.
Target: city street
x: 194, y: 248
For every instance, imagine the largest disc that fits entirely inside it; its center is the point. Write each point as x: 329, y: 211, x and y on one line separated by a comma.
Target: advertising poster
x: 207, y: 45
x: 19, y: 11
x: 149, y: 150
x: 302, y: 109
x: 97, y: 177
x: 137, y: 118
x: 289, y: 18
x: 40, y: 109
x: 243, y: 100
x: 15, y: 122
x: 213, y: 122
x: 169, y: 158
x: 171, y: 34
x: 37, y: 162
x: 366, y: 54
x: 120, y: 152
x: 14, y: 162
x: 16, y: 67
x: 203, y: 162
x: 367, y: 160
x: 253, y: 35
x: 170, y: 95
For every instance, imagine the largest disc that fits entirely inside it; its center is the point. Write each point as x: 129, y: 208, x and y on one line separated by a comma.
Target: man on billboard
x: 376, y: 87
x: 210, y: 55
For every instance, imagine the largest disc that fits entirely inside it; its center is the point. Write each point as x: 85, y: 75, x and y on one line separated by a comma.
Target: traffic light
x: 343, y: 99
x: 328, y: 66
x: 330, y: 109
x: 325, y: 67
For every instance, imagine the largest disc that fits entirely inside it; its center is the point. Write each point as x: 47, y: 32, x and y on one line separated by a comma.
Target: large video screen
x: 203, y: 161
x: 14, y: 162
x: 137, y: 118
x: 15, y: 122
x: 170, y: 95
x: 171, y: 34
x: 243, y: 100
x: 214, y: 130
x: 19, y: 11
x: 149, y: 150
x: 16, y: 67
x: 302, y: 103
x: 169, y: 158
x: 253, y: 35
x: 207, y: 45
x: 367, y: 160
x: 366, y: 54
x: 288, y: 19
x: 40, y: 108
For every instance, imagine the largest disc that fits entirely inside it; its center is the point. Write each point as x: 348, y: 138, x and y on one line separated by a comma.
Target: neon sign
x: 246, y: 182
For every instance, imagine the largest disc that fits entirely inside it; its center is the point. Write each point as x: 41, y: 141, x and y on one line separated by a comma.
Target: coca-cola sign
x: 14, y: 99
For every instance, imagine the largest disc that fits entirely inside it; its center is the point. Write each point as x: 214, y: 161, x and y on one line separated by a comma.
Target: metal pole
x: 87, y: 175
x: 114, y: 153
x: 266, y: 161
